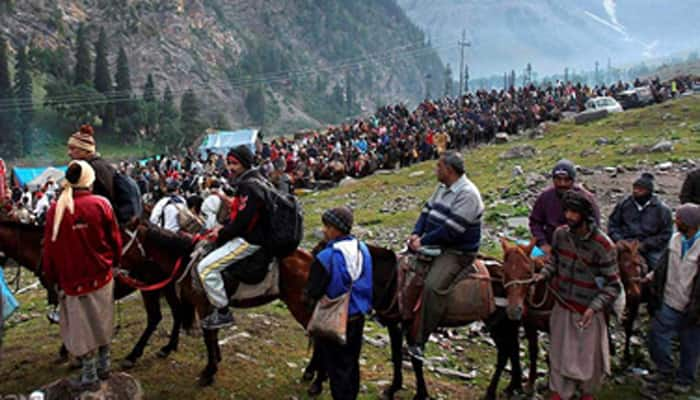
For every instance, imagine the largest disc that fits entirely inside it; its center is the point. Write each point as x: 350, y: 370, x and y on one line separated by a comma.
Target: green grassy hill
x: 266, y: 351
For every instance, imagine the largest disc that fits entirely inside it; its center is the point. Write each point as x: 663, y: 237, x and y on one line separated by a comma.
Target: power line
x: 234, y: 82
x: 117, y: 97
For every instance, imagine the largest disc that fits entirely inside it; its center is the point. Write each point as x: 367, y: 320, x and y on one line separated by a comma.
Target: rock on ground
x: 120, y: 386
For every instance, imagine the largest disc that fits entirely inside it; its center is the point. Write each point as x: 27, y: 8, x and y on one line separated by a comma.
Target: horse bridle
x: 133, y: 238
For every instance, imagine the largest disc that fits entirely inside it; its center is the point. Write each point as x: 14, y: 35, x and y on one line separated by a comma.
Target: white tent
x: 49, y: 173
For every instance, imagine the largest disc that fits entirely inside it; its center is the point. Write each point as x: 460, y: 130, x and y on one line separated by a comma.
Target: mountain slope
x: 553, y: 34
x: 298, y: 50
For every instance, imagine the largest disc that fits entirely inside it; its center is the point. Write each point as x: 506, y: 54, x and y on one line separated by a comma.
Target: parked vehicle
x: 636, y: 97
x: 603, y: 103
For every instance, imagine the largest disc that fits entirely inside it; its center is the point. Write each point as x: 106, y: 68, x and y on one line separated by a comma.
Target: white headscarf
x: 65, y: 200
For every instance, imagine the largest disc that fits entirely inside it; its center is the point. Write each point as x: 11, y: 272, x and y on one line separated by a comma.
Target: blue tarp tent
x: 221, y: 141
x: 23, y: 175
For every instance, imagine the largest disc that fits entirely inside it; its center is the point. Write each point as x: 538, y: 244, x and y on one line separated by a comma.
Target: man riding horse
x: 450, y: 221
x: 237, y: 240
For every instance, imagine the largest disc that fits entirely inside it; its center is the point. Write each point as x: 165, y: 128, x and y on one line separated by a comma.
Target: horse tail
x: 187, y: 312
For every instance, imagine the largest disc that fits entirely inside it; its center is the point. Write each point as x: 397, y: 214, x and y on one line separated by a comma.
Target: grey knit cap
x: 689, y: 214
x: 564, y: 168
x: 340, y: 217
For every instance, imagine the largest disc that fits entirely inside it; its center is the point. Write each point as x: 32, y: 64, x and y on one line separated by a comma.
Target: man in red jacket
x: 81, y: 247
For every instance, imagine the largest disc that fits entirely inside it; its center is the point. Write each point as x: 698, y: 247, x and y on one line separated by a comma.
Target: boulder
x: 665, y: 166
x: 524, y: 151
x: 589, y: 116
x: 662, y: 146
x: 602, y: 141
x: 501, y: 137
x: 119, y: 386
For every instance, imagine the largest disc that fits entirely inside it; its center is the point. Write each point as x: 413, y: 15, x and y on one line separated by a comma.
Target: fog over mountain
x: 554, y: 34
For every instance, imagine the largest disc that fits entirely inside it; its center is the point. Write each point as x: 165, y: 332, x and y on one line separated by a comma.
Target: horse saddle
x: 470, y: 297
x: 268, y: 286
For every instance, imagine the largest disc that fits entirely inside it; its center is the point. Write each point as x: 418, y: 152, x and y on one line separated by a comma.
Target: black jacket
x: 653, y: 226
x: 104, y: 178
x: 659, y: 284
x: 250, y: 202
x: 690, y: 192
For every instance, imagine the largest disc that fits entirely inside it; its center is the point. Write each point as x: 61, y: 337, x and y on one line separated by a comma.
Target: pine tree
x: 23, y: 93
x: 81, y: 73
x: 103, y: 80
x: 8, y: 107
x: 448, y: 81
x: 189, y: 114
x: 169, y: 119
x: 149, y: 90
x: 255, y: 105
x: 349, y: 95
x: 123, y: 81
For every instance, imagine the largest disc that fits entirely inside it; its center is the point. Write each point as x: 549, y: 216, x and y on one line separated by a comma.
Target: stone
x: 346, y: 181
x: 524, y: 151
x: 501, y: 137
x: 667, y: 116
x: 610, y: 170
x: 588, y: 152
x: 416, y: 174
x: 602, y: 141
x: 516, y: 222
x: 518, y: 171
x: 665, y: 166
x: 457, y: 374
x: 119, y: 386
x: 662, y: 146
x: 584, y: 170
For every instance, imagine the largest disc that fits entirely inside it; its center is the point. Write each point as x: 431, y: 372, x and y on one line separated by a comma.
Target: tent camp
x: 35, y: 177
x: 221, y: 141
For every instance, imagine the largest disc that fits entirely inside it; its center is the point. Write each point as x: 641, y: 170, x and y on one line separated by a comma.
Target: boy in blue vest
x: 344, y: 264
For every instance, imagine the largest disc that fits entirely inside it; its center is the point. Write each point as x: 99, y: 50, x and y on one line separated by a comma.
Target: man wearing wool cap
x: 81, y: 146
x: 547, y: 213
x: 675, y: 302
x: 644, y: 217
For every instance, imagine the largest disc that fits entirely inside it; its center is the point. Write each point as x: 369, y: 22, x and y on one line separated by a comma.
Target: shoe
x: 680, y: 388
x: 53, y: 316
x: 217, y: 320
x: 79, y: 384
x: 104, y: 375
x: 415, y: 351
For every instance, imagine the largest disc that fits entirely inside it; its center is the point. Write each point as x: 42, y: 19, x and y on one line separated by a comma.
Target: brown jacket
x: 104, y: 178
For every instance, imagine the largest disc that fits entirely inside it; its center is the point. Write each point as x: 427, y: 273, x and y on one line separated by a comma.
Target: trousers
x: 211, y: 267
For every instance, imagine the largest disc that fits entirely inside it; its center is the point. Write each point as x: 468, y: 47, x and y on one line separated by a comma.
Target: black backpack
x: 127, y: 198
x: 285, y: 227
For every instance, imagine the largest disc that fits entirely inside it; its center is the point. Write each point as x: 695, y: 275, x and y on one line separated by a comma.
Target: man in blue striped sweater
x: 450, y: 221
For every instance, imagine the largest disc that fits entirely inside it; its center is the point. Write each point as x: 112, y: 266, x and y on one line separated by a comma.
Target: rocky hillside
x: 299, y: 52
x: 552, y: 34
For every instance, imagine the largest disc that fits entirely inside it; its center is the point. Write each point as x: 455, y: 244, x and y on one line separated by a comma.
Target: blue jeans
x: 666, y: 325
x: 652, y: 258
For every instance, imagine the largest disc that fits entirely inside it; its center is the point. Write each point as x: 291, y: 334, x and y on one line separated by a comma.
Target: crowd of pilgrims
x: 392, y: 137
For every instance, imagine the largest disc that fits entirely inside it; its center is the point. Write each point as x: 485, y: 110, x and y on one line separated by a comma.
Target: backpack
x: 127, y: 198
x: 187, y: 221
x: 284, y: 230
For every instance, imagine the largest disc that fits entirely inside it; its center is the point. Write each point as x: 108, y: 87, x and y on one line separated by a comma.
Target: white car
x: 603, y: 103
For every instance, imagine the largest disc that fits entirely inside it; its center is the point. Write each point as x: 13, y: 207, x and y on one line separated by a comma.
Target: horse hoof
x: 127, y: 364
x: 164, y: 352
x: 388, y: 394
x: 308, y: 376
x: 315, y: 389
x: 205, y: 381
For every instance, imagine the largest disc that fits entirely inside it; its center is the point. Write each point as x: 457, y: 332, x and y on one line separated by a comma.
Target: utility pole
x: 466, y: 79
x: 462, y: 44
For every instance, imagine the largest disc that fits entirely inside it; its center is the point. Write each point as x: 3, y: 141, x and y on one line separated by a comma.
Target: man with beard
x: 547, y: 213
x: 584, y: 260
x: 644, y: 217
x: 675, y: 302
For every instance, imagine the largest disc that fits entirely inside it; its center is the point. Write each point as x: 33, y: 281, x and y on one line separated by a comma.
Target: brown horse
x: 541, y: 298
x: 632, y: 268
x: 503, y: 330
x: 168, y: 249
x: 22, y: 243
